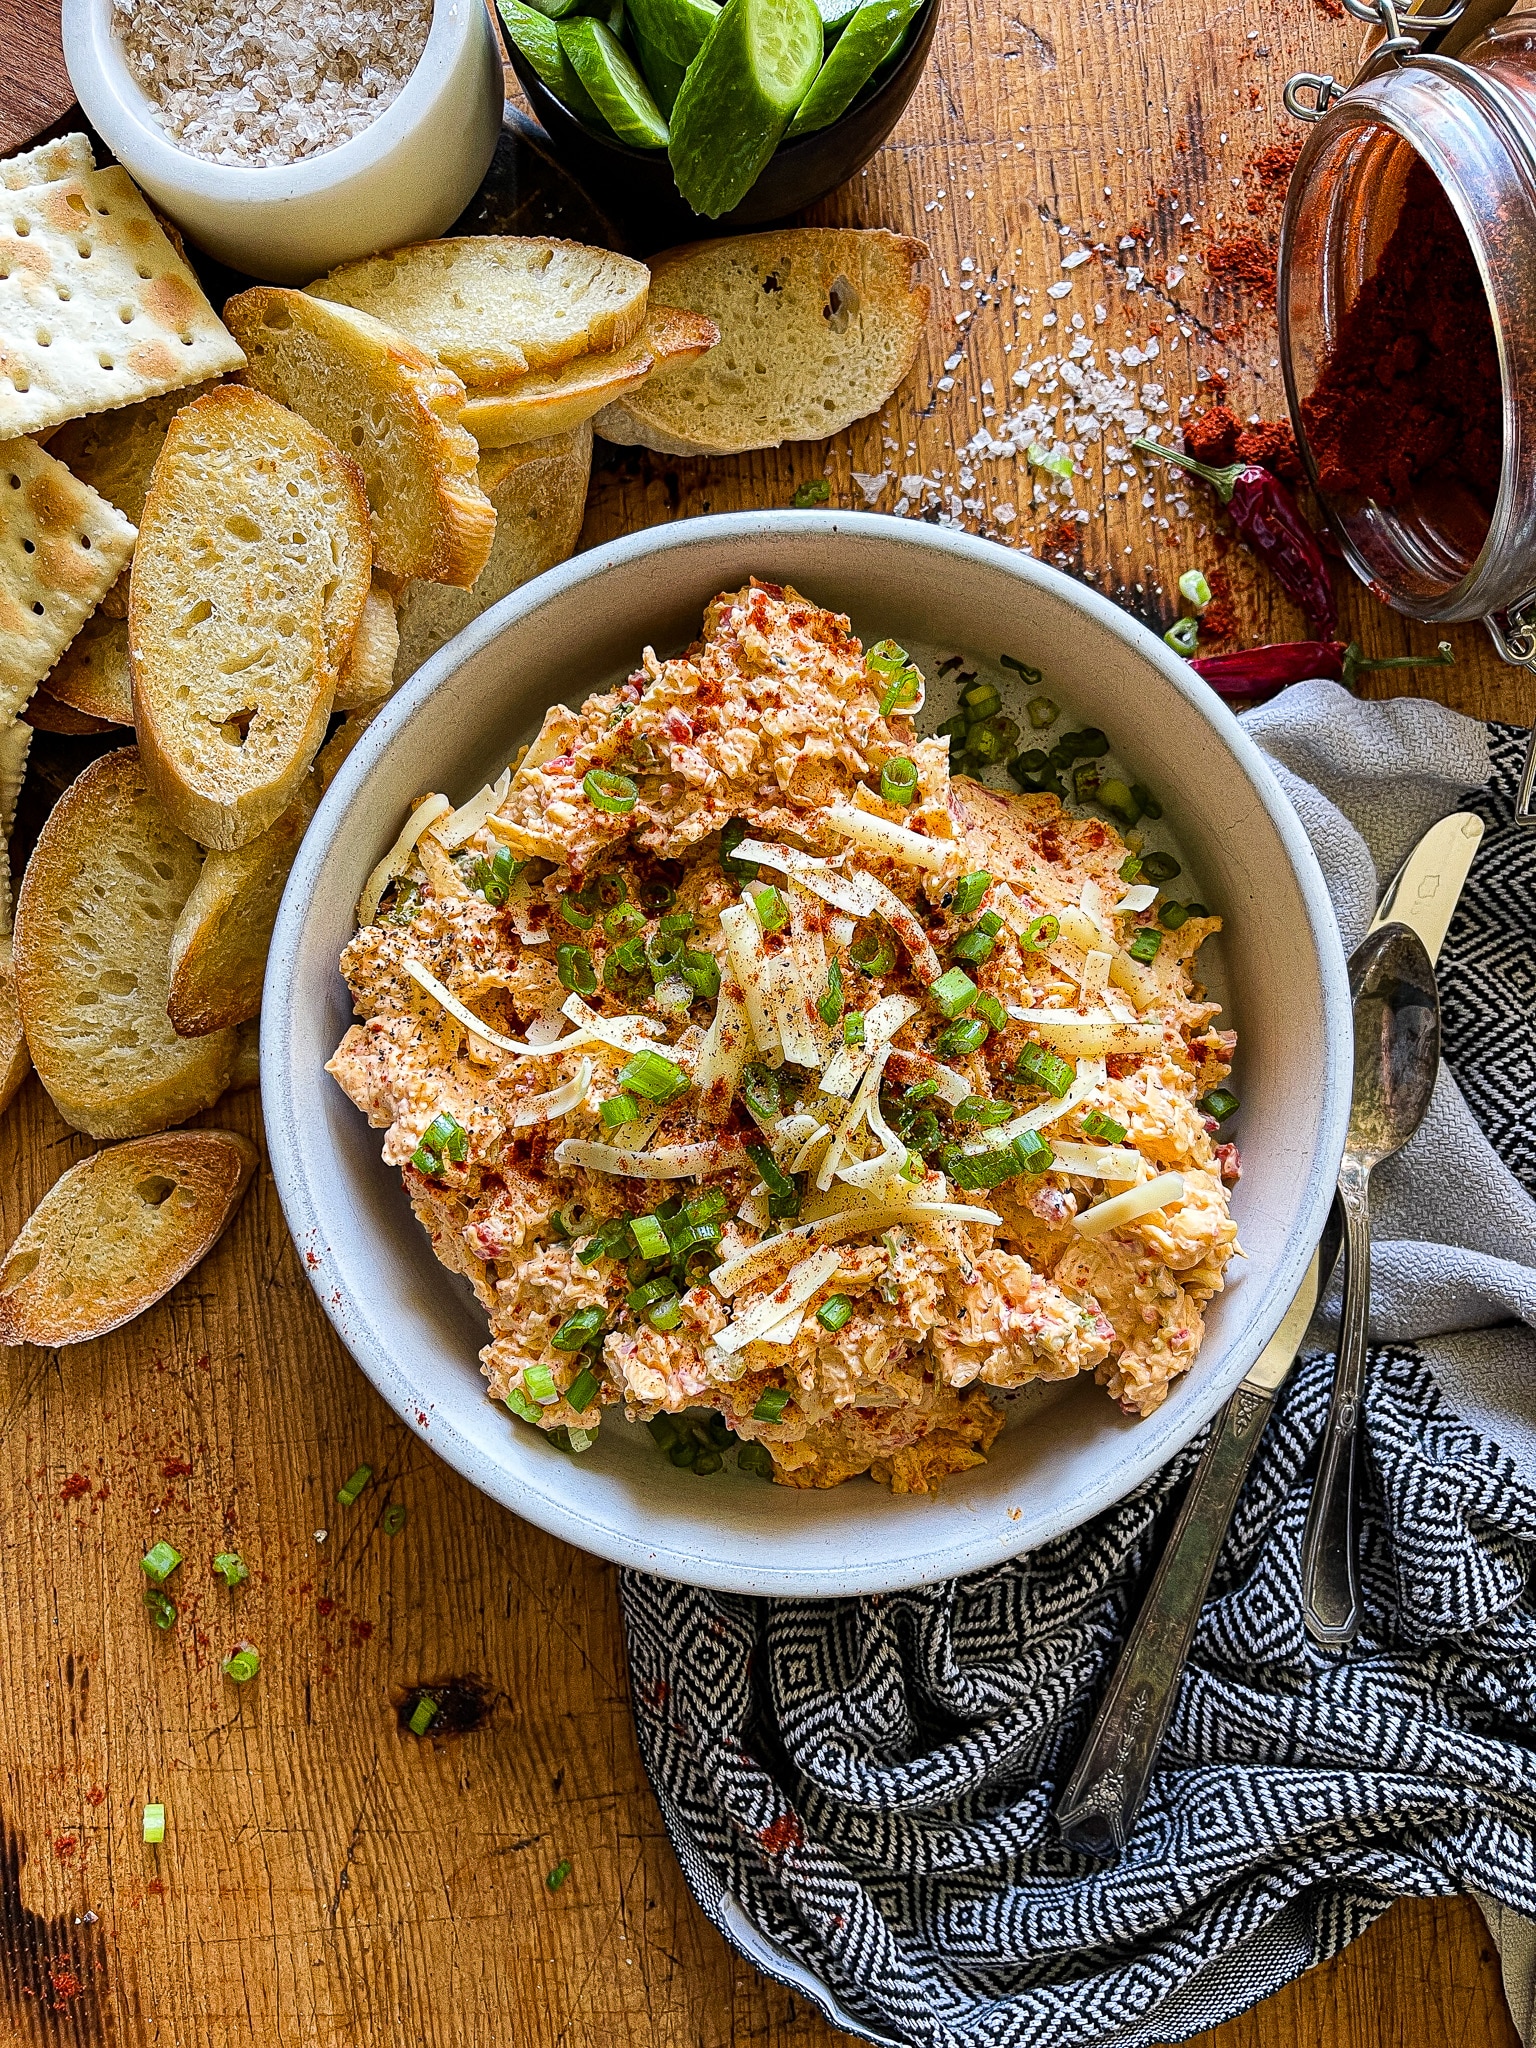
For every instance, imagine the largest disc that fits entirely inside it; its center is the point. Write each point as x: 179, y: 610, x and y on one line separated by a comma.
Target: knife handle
x: 1330, y: 1587
x: 1104, y: 1794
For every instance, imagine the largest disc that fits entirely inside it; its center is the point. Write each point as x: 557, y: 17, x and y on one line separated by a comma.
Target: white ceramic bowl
x: 416, y: 1330
x: 408, y: 176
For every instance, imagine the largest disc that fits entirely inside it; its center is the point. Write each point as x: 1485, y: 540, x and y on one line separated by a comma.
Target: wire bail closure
x: 1309, y: 95
x: 1513, y: 634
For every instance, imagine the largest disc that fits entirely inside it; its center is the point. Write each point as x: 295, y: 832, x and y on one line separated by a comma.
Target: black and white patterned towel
x: 859, y: 1791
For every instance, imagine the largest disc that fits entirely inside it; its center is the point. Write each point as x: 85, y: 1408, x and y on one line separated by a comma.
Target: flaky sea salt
x: 245, y: 83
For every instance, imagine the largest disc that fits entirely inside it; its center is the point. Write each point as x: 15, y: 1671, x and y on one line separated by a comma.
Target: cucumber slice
x: 539, y: 40
x: 874, y: 32
x: 609, y: 12
x: 674, y: 29
x: 663, y: 76
x: 608, y: 72
x: 836, y: 15
x: 555, y: 9
x: 756, y: 66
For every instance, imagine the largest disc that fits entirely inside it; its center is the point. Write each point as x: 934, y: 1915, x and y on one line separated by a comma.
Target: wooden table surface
x: 326, y: 1876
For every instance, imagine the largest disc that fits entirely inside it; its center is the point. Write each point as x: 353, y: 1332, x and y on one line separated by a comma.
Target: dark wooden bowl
x: 636, y: 185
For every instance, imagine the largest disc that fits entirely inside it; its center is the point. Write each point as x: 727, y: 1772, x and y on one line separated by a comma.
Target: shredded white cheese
x: 667, y: 1162
x: 1141, y: 896
x: 1122, y: 1209
x: 543, y: 1109
x: 749, y: 964
x: 1099, y: 1162
x: 460, y: 825
x: 896, y: 842
x: 482, y: 1031
x: 1091, y: 1033
x: 797, y: 1287
x: 426, y: 813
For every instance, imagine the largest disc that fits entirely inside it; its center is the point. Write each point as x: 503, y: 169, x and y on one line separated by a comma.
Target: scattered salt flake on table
x: 1078, y: 256
x: 871, y: 486
x: 1058, y: 290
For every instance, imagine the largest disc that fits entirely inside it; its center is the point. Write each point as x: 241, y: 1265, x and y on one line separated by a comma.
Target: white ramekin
x: 407, y: 176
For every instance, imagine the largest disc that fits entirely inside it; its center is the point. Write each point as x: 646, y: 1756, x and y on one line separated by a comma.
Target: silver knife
x: 1103, y: 1796
x: 1427, y: 887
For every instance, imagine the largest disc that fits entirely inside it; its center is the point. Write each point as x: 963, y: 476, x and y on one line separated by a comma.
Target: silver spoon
x: 1397, y: 1053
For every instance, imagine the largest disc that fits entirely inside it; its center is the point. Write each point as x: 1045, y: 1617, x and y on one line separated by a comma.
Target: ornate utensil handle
x: 1105, y: 1791
x: 1330, y: 1591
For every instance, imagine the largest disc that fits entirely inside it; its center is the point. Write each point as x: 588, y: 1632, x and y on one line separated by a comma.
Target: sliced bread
x: 92, y: 675
x: 341, y: 742
x: 47, y: 713
x: 115, y: 453
x: 15, y: 743
x: 818, y: 326
x: 491, y: 307
x: 99, y: 901
x: 540, y: 493
x: 368, y: 674
x: 391, y: 407
x: 251, y: 574
x: 117, y: 1231
x: 15, y: 1060
x: 219, y: 946
x: 555, y: 401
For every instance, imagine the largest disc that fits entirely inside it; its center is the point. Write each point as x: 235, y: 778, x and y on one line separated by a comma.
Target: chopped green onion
x: 1042, y: 712
x: 665, y: 1314
x: 784, y: 1195
x: 494, y: 878
x: 1194, y: 589
x: 974, y: 946
x: 1033, y: 1153
x: 980, y: 701
x: 582, y: 1391
x: 393, y: 1520
x: 979, y: 1109
x: 231, y: 1568
x: 1097, y: 1125
x: 754, y: 1458
x: 573, y: 966
x: 1117, y: 797
x: 731, y: 836
x: 903, y: 682
x: 655, y: 894
x: 1020, y: 668
x: 650, y: 1237
x: 579, y: 1329
x: 701, y: 970
x: 242, y: 1663
x: 620, y: 922
x: 705, y: 1207
x: 559, y: 1874
x: 834, y: 1312
x: 1048, y: 1070
x: 405, y: 905
x: 988, y: 1006
x: 348, y: 1491
x: 1171, y: 915
x: 610, y: 792
x: 990, y: 923
x: 616, y: 1111
x: 423, y: 1714
x: 772, y: 912
x: 611, y: 1242
x: 154, y: 1825
x: 611, y: 888
x: 663, y: 950
x: 1144, y: 947
x: 1086, y: 744
x: 444, y: 1136
x: 830, y: 1006
x: 920, y: 1091
x: 760, y: 1087
x: 1183, y: 636
x: 521, y: 1406
x: 1220, y: 1103
x: 984, y: 747
x: 682, y: 1454
x: 853, y: 1028
x: 771, y: 1405
x: 663, y: 1430
x: 954, y: 992
x: 1059, y: 464
x: 160, y: 1561
x: 923, y: 1132
x: 898, y: 780
x: 539, y: 1385
x: 979, y: 1169
x: 872, y: 952
x: 576, y: 913
x: 969, y: 892
x: 1085, y: 782
x: 1146, y: 802
x: 1042, y: 931
x: 649, y: 1292
x: 968, y: 1034
x: 1130, y: 868
x: 658, y: 1079
x: 629, y: 954
x: 162, y: 1608
x: 1160, y: 868
x: 816, y: 492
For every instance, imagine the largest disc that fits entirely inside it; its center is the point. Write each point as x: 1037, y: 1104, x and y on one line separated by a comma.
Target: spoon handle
x: 1330, y: 1589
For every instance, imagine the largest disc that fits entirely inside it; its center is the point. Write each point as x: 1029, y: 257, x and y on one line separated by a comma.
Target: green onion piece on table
x: 393, y: 1520
x: 1048, y: 1070
x: 348, y: 1491
x: 423, y: 1714
x: 1144, y: 947
x: 230, y: 1568
x: 559, y: 1874
x: 242, y: 1663
x: 1097, y: 1125
x: 954, y: 992
x: 1183, y: 636
x: 582, y: 1391
x: 1042, y: 931
x: 970, y: 891
x: 154, y: 1825
x: 755, y: 67
x: 652, y: 1075
x: 771, y: 1405
x: 834, y: 1312
x: 1194, y: 589
x: 610, y: 792
x: 162, y: 1608
x: 578, y: 1330
x: 1220, y: 1103
x: 816, y: 492
x: 160, y: 1561
x: 1058, y: 464
x: 769, y: 905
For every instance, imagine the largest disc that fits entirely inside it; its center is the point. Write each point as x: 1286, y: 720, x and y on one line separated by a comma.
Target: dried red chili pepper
x: 1266, y: 514
x: 1261, y: 671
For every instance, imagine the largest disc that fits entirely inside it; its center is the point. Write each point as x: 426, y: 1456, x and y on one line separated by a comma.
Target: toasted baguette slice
x: 100, y: 898
x: 115, y: 453
x: 92, y: 675
x: 491, y: 307
x: 341, y: 742
x: 219, y: 946
x: 118, y: 1231
x: 47, y: 713
x: 246, y: 1071
x: 553, y: 402
x: 15, y: 1060
x: 540, y: 494
x: 818, y: 326
x: 15, y: 743
x: 251, y: 575
x: 386, y: 403
x: 368, y: 674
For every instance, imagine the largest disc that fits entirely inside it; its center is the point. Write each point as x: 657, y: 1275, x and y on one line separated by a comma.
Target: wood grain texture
x: 328, y: 1878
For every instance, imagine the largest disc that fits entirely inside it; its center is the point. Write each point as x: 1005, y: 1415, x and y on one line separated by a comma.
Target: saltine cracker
x: 57, y: 159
